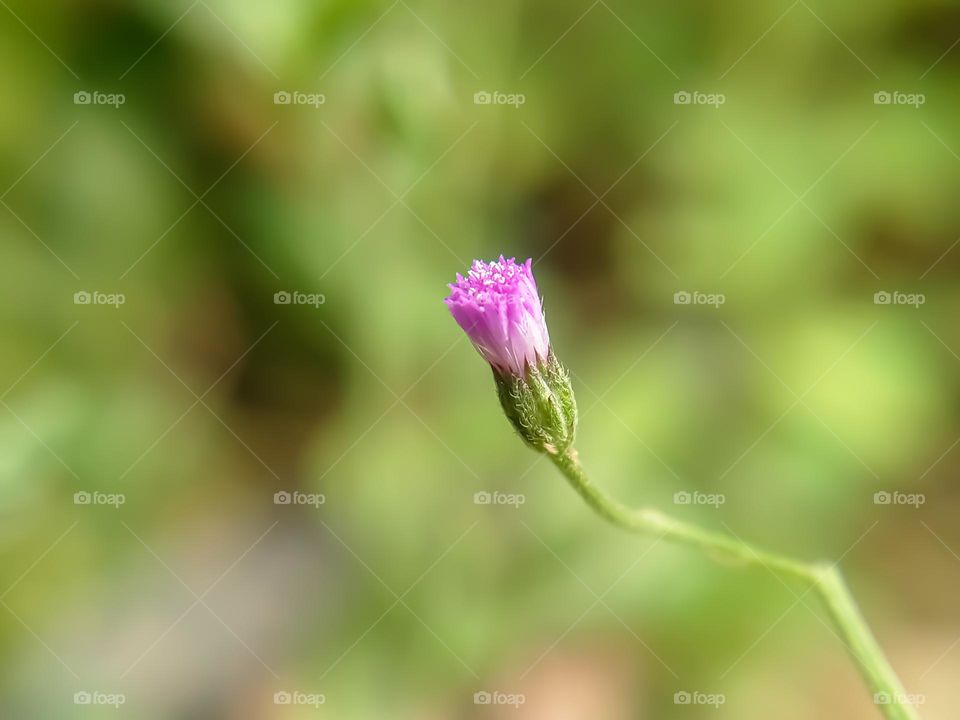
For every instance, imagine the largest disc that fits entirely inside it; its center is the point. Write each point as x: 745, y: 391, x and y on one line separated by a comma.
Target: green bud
x: 540, y: 405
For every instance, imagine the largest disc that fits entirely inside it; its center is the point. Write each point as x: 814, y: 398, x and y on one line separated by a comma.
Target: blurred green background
x: 180, y: 179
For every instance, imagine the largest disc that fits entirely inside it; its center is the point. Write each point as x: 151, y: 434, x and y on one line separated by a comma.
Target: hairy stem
x: 822, y: 578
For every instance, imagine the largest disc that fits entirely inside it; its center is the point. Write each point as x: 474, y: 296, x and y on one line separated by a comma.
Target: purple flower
x: 499, y: 308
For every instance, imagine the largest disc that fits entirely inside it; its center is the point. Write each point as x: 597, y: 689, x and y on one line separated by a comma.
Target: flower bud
x: 499, y: 308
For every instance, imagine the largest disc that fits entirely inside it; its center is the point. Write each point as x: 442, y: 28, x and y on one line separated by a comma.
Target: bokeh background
x: 784, y: 185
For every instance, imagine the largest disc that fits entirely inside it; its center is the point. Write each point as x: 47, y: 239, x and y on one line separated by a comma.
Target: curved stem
x: 822, y: 578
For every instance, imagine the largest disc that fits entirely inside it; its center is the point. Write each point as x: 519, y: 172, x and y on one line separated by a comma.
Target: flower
x: 499, y: 308
x: 497, y: 304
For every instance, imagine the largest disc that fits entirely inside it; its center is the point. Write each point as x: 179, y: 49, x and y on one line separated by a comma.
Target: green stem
x: 823, y: 578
